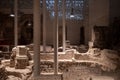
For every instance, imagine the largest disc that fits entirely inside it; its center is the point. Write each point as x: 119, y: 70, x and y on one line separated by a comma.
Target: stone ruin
x: 20, y: 57
x: 81, y: 66
x: 73, y: 65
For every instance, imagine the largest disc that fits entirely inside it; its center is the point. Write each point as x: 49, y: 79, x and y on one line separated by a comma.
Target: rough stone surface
x: 21, y: 62
x: 80, y: 73
x: 48, y: 76
x: 74, y: 66
x: 3, y: 73
x: 18, y: 74
x: 20, y: 57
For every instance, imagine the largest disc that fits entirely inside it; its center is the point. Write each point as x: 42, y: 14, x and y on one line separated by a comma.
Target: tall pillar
x: 63, y: 20
x: 44, y: 26
x: 36, y: 36
x: 56, y: 38
x: 16, y: 23
x: 86, y: 21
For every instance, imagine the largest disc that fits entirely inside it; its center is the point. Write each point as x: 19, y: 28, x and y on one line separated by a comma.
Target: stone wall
x: 76, y: 71
x: 50, y: 77
x: 79, y: 66
x: 61, y: 56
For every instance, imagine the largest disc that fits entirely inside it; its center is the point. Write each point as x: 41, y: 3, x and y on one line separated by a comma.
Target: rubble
x: 108, y: 58
x: 3, y: 73
x: 18, y: 74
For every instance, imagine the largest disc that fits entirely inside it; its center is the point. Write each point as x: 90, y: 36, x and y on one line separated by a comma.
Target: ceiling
x: 76, y: 6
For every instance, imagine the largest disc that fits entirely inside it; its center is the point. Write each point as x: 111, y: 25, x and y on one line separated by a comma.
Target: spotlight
x: 72, y: 14
x: 12, y: 15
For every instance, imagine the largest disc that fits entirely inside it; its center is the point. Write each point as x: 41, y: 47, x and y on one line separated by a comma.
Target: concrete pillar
x: 36, y: 37
x: 63, y: 19
x: 56, y: 38
x: 16, y: 23
x: 44, y: 26
x: 86, y: 20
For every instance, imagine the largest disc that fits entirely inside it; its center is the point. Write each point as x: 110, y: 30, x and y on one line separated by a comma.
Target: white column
x: 36, y: 36
x: 93, y: 35
x: 16, y: 23
x: 44, y: 26
x: 63, y: 19
x: 56, y: 38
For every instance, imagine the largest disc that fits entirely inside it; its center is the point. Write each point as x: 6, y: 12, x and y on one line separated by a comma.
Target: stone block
x: 21, y: 62
x: 21, y: 50
x: 12, y: 63
x: 20, y: 57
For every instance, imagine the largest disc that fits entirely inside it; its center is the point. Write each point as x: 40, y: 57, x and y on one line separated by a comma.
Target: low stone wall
x: 47, y: 76
x: 50, y: 77
x: 81, y: 57
x: 74, y: 57
x: 61, y: 56
x: 68, y: 55
x: 48, y: 48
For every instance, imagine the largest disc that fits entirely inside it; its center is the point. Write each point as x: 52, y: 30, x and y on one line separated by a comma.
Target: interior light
x: 29, y: 24
x: 72, y: 14
x: 12, y: 15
